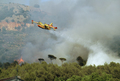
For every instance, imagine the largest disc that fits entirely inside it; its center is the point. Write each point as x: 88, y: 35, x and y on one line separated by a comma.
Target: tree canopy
x: 52, y: 57
x: 62, y: 59
x: 40, y: 59
x: 81, y: 61
x: 66, y: 72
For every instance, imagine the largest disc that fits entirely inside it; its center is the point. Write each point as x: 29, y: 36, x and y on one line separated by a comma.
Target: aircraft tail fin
x: 51, y: 24
x: 32, y: 22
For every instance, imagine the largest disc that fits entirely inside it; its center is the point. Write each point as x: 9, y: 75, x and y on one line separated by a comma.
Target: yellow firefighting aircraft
x: 44, y: 26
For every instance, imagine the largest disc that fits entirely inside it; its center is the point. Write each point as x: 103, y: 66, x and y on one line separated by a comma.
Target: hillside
x: 16, y: 16
x: 15, y: 26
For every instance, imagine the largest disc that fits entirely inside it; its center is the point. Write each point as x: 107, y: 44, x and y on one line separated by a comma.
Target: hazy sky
x: 26, y: 2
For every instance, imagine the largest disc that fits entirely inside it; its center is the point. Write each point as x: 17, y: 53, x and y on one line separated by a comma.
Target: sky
x: 26, y: 2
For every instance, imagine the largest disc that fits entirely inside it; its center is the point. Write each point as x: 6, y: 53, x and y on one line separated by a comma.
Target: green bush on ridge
x: 65, y: 72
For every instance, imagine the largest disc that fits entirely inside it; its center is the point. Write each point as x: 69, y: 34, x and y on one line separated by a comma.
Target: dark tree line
x: 7, y: 64
x: 52, y: 57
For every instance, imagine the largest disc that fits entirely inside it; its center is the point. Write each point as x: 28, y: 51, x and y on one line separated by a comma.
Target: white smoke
x: 84, y: 29
x: 99, y: 56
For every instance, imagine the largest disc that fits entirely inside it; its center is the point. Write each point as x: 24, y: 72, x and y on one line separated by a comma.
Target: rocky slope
x: 17, y: 15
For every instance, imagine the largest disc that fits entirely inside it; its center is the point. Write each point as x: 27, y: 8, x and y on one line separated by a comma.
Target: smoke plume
x: 86, y: 28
